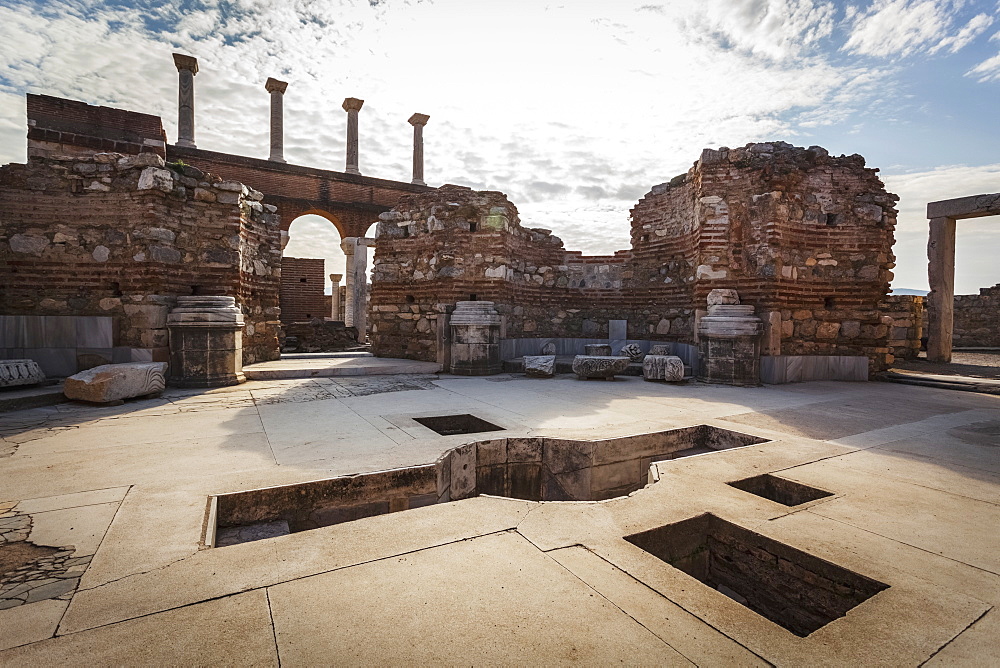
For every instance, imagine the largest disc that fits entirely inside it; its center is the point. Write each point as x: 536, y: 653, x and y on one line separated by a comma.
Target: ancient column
x: 941, y: 300
x: 352, y: 106
x: 418, y: 121
x: 187, y: 67
x: 475, y: 339
x: 335, y: 300
x: 729, y: 341
x: 348, y: 245
x: 277, y: 90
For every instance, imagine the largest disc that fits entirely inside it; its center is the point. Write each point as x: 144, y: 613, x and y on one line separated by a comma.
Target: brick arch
x: 286, y: 223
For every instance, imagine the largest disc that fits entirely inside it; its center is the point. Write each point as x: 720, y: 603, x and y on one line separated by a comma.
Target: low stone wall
x: 906, y: 314
x: 977, y: 319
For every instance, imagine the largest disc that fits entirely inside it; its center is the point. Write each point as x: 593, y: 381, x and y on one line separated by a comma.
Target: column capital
x: 418, y: 119
x: 353, y: 104
x: 273, y: 85
x: 336, y: 277
x: 186, y: 63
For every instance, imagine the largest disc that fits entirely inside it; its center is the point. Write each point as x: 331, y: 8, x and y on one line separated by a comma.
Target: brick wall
x: 804, y: 237
x: 57, y: 126
x: 123, y: 236
x: 302, y: 296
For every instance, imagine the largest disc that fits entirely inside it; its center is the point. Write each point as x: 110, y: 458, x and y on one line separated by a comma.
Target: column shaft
x: 187, y: 67
x: 941, y: 300
x: 277, y: 90
x: 352, y: 106
x: 418, y: 121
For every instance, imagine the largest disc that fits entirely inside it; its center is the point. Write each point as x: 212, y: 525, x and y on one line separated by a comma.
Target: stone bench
x: 599, y: 366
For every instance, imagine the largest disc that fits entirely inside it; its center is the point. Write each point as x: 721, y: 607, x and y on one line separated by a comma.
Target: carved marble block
x: 663, y: 367
x: 599, y: 366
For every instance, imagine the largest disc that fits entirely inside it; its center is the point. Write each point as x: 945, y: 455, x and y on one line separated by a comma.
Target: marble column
x: 187, y: 67
x: 335, y: 298
x: 349, y: 245
x: 356, y: 280
x: 277, y: 90
x: 418, y: 121
x: 941, y: 300
x: 352, y: 106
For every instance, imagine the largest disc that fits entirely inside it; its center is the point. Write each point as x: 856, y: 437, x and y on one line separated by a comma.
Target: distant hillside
x: 909, y: 291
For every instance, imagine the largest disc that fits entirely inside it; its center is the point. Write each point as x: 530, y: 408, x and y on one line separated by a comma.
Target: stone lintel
x: 974, y: 206
x: 418, y: 119
x: 353, y: 104
x: 186, y: 63
x: 272, y: 85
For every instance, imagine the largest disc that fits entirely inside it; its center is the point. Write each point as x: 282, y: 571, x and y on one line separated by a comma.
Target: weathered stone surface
x: 661, y: 349
x: 540, y: 366
x: 719, y: 296
x: 114, y: 382
x: 633, y: 352
x: 20, y: 372
x: 475, y: 339
x: 206, y: 342
x: 663, y: 367
x: 599, y: 366
x: 154, y: 178
x: 597, y: 349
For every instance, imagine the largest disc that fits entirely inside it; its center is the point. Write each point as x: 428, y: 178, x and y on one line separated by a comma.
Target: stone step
x: 22, y: 398
x: 323, y: 366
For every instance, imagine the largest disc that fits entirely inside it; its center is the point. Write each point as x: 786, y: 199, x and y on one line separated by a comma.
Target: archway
x: 311, y: 255
x: 943, y: 216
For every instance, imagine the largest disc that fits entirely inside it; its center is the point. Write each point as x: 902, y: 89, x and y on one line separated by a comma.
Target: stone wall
x: 977, y: 319
x: 302, y: 296
x: 907, y: 322
x: 122, y: 236
x: 803, y: 236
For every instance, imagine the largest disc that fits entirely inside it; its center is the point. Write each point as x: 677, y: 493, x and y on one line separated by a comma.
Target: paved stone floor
x: 976, y: 364
x: 108, y: 506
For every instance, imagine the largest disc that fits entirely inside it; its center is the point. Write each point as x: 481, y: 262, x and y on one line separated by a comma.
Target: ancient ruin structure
x: 941, y: 266
x: 802, y: 236
x: 977, y: 319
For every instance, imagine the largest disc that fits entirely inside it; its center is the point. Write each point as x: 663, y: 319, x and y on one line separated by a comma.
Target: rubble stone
x: 114, y: 382
x: 540, y: 366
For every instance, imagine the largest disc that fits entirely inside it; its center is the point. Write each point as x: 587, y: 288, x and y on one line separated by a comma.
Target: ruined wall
x: 121, y: 236
x: 906, y: 313
x: 302, y: 296
x: 977, y: 319
x: 803, y: 236
x: 57, y: 126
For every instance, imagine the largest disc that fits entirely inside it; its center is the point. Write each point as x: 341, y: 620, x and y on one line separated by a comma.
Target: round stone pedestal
x: 206, y: 342
x: 729, y: 345
x: 475, y: 339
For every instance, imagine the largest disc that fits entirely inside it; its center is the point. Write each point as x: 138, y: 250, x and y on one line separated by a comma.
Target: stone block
x: 632, y: 351
x: 663, y: 367
x: 661, y: 349
x: 599, y: 366
x: 20, y: 372
x: 720, y: 296
x: 114, y: 382
x: 597, y: 349
x: 540, y: 366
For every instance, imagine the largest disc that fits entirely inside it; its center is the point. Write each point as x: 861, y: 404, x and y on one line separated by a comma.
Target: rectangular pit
x: 533, y: 469
x: 780, y: 490
x: 793, y: 589
x: 449, y: 425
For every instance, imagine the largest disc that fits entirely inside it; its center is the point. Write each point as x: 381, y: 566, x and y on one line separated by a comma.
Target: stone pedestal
x: 206, y: 342
x: 475, y: 339
x: 729, y: 345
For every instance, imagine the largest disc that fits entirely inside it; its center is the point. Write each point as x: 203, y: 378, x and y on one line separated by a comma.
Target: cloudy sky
x: 573, y: 109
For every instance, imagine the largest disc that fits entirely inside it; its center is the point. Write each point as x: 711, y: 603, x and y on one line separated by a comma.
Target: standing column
x: 418, y: 121
x: 941, y: 300
x: 187, y: 67
x: 348, y: 245
x: 352, y: 106
x: 277, y: 90
x: 335, y: 301
x: 359, y: 297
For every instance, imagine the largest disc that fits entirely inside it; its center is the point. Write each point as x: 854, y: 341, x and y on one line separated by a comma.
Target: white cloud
x: 977, y: 239
x: 903, y: 27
